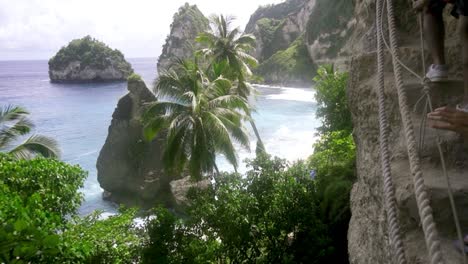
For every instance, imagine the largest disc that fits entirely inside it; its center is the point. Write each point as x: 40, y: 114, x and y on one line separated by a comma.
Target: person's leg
x: 434, y: 31
x: 463, y: 27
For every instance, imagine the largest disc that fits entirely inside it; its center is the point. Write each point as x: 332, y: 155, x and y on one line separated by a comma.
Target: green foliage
x: 202, y: 117
x: 270, y: 216
x: 334, y: 157
x: 271, y: 34
x: 290, y: 65
x: 134, y: 78
x: 274, y: 11
x: 330, y: 87
x: 39, y: 198
x: 327, y: 20
x: 54, y: 181
x: 115, y: 239
x: 14, y: 123
x: 91, y: 53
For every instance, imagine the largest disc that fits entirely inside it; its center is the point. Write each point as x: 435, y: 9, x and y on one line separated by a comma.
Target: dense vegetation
x: 274, y: 11
x: 92, y: 53
x: 292, y: 65
x: 39, y: 223
x: 277, y: 212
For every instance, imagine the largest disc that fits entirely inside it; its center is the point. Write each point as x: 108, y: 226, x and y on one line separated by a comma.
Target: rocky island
x: 88, y: 60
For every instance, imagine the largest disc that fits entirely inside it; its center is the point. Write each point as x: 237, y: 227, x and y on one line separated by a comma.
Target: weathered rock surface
x: 188, y: 22
x: 281, y: 50
x: 88, y: 60
x: 129, y: 168
x: 368, y: 234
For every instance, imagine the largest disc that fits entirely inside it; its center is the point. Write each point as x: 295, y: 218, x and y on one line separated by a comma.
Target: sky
x: 37, y: 29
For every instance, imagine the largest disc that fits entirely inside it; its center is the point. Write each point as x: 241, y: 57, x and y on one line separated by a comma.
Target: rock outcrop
x: 129, y: 168
x: 354, y: 49
x: 281, y: 50
x: 88, y: 60
x: 187, y: 23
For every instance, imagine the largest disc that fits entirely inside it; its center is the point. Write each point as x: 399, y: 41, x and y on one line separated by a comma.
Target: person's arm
x: 448, y: 118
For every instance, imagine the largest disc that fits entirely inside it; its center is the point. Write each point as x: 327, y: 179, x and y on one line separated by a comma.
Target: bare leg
x: 434, y: 31
x: 464, y: 41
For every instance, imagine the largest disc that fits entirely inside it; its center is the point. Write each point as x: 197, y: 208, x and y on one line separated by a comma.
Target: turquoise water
x: 78, y: 116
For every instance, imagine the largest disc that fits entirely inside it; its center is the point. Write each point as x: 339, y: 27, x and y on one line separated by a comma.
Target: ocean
x: 78, y: 117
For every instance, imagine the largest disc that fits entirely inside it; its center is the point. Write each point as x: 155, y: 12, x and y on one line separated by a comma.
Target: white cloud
x: 36, y: 29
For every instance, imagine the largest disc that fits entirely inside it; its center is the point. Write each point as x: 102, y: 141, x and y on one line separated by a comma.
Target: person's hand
x: 448, y: 118
x: 418, y: 5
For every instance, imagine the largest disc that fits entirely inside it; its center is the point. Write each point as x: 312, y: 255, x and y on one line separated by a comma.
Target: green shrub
x: 54, y: 181
x: 38, y: 222
x: 270, y: 216
x: 330, y: 87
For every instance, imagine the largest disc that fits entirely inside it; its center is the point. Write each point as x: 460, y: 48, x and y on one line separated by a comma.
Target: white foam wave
x: 294, y: 94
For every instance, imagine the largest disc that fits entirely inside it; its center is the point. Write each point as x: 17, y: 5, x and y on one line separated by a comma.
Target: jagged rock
x: 130, y: 168
x: 180, y: 188
x: 88, y: 60
x: 187, y: 23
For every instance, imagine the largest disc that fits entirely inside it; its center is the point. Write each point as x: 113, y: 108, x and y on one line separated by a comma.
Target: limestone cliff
x: 281, y: 51
x: 129, y: 168
x: 187, y: 23
x: 88, y: 60
x: 350, y: 42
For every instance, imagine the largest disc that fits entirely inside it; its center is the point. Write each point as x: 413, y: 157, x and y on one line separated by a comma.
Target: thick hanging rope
x: 428, y: 105
x: 391, y: 209
x: 422, y: 200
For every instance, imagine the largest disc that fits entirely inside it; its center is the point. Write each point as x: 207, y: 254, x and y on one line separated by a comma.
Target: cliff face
x: 129, y: 168
x: 187, y: 24
x: 88, y: 60
x: 355, y: 52
x: 281, y: 51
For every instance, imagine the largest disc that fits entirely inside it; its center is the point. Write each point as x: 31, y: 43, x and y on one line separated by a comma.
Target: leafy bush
x: 270, y: 216
x: 115, y: 239
x: 330, y: 87
x: 334, y: 159
x: 39, y: 200
x: 91, y: 53
x: 54, y: 181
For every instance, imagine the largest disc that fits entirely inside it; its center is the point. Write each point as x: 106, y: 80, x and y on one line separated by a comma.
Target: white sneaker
x: 437, y: 73
x: 462, y: 107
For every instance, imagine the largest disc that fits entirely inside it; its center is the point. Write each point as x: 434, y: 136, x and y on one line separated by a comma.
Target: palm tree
x: 231, y: 47
x: 14, y: 124
x: 201, y: 118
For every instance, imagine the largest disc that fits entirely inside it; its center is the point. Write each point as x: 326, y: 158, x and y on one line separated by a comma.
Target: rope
x: 389, y: 190
x: 422, y: 200
x: 424, y: 208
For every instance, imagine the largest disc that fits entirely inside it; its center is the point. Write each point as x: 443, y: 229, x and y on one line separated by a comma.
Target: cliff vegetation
x: 90, y: 53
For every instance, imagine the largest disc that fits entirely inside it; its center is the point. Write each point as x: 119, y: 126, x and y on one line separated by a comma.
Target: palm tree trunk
x: 260, y: 147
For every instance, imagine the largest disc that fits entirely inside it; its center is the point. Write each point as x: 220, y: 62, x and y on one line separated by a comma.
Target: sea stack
x: 88, y: 60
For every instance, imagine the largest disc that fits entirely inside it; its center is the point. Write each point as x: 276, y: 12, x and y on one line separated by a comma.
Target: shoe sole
x: 439, y: 79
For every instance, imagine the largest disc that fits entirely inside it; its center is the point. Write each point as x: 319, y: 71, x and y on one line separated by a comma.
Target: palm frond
x: 37, y: 145
x: 12, y: 113
x: 10, y: 133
